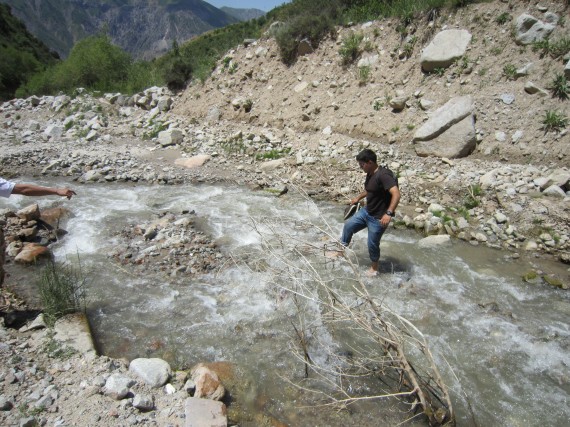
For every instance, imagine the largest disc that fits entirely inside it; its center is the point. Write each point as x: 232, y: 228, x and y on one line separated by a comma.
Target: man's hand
x: 66, y: 192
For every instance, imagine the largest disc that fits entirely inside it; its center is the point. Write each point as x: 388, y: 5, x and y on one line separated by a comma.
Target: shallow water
x: 506, y: 341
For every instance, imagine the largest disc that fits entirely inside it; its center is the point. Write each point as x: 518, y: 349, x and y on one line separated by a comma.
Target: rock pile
x: 50, y: 373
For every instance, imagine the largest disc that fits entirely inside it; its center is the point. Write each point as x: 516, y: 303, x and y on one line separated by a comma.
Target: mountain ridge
x: 143, y: 28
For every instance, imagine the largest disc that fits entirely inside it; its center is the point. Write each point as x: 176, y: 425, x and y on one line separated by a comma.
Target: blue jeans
x: 359, y: 221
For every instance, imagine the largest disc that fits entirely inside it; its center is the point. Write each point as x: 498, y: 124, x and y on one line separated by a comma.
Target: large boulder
x: 444, y: 49
x: 529, y: 29
x: 170, y: 137
x: 458, y: 141
x: 449, y: 132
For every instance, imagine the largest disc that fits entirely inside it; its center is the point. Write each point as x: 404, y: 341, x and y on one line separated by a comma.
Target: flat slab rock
x: 204, y: 413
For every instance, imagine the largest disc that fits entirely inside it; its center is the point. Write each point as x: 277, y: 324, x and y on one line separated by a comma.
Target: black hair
x: 366, y: 155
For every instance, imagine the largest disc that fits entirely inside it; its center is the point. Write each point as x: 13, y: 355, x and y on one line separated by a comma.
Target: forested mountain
x: 144, y: 28
x: 21, y: 53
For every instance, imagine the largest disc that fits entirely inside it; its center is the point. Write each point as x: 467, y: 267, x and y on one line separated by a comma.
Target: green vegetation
x: 62, y: 290
x: 503, y: 18
x: 555, y: 48
x: 464, y: 212
x: 554, y: 121
x: 94, y: 63
x: 497, y: 50
x: 248, y: 105
x: 408, y: 48
x: 510, y: 71
x: 364, y: 74
x: 21, y: 54
x: 463, y: 63
x: 560, y: 87
x: 202, y: 53
x: 377, y: 105
x: 471, y: 199
x: 272, y: 154
x: 97, y: 65
x: 233, y: 147
x: 439, y: 71
x: 350, y: 49
x: 56, y: 349
x: 155, y: 129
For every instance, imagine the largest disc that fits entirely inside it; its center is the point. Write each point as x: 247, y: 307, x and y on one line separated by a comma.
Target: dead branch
x: 384, y: 347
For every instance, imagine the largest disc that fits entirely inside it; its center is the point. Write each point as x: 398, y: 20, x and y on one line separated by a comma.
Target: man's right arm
x: 358, y: 198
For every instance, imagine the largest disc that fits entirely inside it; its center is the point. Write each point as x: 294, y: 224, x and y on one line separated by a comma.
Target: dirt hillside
x: 318, y: 91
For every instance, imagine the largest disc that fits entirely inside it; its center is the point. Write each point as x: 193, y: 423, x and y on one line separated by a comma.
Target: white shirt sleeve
x: 6, y: 187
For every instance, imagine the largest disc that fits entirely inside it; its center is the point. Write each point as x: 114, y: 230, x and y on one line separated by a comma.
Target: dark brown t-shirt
x: 377, y: 195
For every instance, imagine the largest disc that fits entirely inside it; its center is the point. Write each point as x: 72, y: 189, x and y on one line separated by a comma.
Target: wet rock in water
x: 432, y: 242
x: 208, y: 385
x: 31, y: 252
x: 554, y: 281
x: 205, y: 412
x: 532, y: 277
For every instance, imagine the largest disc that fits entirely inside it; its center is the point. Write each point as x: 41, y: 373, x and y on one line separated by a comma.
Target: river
x: 501, y: 344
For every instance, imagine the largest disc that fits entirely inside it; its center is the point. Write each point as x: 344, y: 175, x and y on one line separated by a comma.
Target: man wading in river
x: 382, y: 198
x: 7, y: 188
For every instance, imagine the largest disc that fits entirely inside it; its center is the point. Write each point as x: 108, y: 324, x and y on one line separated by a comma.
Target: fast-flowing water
x: 502, y: 344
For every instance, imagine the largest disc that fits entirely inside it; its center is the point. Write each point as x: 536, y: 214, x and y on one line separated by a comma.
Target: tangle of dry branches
x: 358, y: 339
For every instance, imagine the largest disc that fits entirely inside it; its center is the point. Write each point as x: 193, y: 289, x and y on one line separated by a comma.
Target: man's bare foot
x: 371, y: 272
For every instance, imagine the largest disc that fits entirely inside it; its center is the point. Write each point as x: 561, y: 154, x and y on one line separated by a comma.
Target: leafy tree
x: 94, y: 63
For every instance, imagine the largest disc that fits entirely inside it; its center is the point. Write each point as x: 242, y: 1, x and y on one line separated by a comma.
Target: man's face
x: 368, y: 166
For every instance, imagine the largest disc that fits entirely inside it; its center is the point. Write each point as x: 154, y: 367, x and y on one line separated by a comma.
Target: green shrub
x: 350, y: 49
x: 510, y: 71
x: 554, y: 48
x: 553, y: 120
x: 248, y: 105
x: 364, y: 74
x: 313, y: 27
x: 272, y: 154
x: 62, y: 290
x: 440, y: 71
x: 559, y: 87
x: 155, y: 129
x: 503, y: 18
x: 94, y: 63
x: 471, y: 199
x: 176, y: 72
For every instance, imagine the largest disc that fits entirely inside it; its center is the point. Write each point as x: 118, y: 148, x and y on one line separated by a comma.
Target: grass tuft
x: 554, y: 121
x: 560, y: 87
x: 62, y: 290
x: 350, y: 49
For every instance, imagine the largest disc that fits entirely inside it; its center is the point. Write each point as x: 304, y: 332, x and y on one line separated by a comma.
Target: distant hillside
x: 243, y: 14
x: 22, y: 54
x: 144, y: 28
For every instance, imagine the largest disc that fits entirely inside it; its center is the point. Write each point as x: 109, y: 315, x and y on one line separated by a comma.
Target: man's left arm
x: 394, y: 200
x: 395, y: 193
